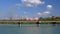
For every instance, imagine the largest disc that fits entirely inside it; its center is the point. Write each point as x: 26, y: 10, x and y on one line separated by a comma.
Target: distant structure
x: 54, y: 16
x: 31, y: 19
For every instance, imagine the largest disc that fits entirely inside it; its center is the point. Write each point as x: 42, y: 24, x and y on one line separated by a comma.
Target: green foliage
x: 49, y: 19
x: 27, y: 23
x: 8, y: 23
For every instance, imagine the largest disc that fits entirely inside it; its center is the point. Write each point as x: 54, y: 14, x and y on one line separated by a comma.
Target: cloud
x: 30, y: 3
x: 46, y: 12
x: 33, y: 1
x: 25, y: 5
x: 49, y: 6
x: 39, y: 13
x: 43, y: 13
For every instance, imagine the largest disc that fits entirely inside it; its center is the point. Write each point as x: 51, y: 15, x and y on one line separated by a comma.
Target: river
x: 30, y: 29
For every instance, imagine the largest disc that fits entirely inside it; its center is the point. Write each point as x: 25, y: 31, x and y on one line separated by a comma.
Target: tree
x: 41, y: 18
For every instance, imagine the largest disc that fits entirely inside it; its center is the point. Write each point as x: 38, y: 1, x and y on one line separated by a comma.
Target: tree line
x: 49, y: 18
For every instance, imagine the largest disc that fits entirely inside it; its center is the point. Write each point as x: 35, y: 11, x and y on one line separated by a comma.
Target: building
x: 32, y: 19
x: 54, y: 17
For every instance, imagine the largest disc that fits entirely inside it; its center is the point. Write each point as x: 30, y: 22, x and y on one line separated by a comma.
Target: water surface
x: 29, y: 29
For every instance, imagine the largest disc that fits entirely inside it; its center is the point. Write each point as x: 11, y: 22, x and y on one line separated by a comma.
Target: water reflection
x: 30, y: 29
x: 38, y: 25
x: 54, y: 25
x: 19, y: 25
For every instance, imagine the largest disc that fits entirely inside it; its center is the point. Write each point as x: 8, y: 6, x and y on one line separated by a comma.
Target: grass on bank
x: 27, y: 23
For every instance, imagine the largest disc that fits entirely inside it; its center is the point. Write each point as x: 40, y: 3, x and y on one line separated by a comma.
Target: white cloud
x: 33, y: 1
x: 49, y: 6
x: 30, y: 3
x: 43, y: 13
x: 26, y: 5
x: 46, y: 12
x: 39, y: 13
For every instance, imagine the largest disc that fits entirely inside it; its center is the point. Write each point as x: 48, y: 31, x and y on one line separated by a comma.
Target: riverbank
x: 28, y: 22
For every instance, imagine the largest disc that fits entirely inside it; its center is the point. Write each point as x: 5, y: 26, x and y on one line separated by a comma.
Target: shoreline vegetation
x: 26, y: 22
x: 41, y: 20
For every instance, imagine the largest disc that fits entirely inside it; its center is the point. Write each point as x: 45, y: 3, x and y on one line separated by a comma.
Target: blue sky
x: 29, y: 8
